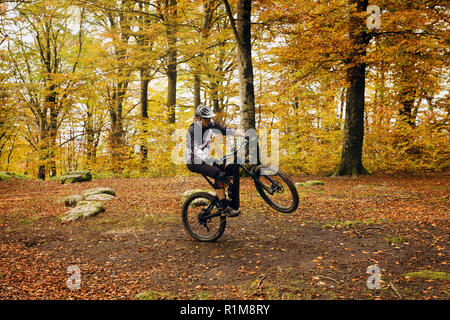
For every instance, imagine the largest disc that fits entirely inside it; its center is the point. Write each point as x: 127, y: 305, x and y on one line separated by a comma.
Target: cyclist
x: 197, y: 156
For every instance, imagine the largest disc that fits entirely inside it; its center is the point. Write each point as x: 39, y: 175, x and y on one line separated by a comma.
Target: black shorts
x: 214, y: 172
x: 206, y: 169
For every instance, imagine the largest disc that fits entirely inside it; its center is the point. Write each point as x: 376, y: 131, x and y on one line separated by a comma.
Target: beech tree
x: 350, y: 162
x: 46, y: 77
x: 170, y: 17
x: 102, y: 84
x: 242, y: 32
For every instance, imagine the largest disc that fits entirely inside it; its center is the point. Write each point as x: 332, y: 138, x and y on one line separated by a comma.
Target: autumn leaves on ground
x: 138, y: 248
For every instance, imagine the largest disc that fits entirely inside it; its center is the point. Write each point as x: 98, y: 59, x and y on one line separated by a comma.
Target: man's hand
x: 213, y: 161
x: 210, y: 161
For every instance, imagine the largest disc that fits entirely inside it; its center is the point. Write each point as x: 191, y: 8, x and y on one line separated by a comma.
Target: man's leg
x: 220, y: 194
x: 217, y: 175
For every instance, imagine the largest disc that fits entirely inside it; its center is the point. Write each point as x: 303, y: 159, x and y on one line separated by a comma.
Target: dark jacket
x: 198, y: 140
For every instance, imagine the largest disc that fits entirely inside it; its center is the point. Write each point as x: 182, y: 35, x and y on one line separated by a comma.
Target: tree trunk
x: 52, y: 144
x: 146, y: 44
x: 408, y: 94
x: 215, y: 81
x: 242, y: 33
x: 172, y: 63
x: 380, y: 93
x: 116, y: 130
x: 351, y: 155
x: 172, y: 86
x: 144, y: 117
x: 206, y: 27
x: 197, y: 90
x: 215, y: 95
x: 90, y: 137
x: 122, y: 25
x: 246, y: 88
x: 53, y: 128
x: 43, y: 144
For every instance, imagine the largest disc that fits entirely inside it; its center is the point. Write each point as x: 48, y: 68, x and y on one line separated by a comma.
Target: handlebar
x: 242, y: 145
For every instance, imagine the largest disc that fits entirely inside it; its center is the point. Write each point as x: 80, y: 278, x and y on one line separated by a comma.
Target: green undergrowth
x: 429, y: 275
x: 155, y: 295
x: 347, y: 223
x: 7, y: 175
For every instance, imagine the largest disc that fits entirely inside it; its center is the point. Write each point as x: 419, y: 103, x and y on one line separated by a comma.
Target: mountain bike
x: 201, y: 216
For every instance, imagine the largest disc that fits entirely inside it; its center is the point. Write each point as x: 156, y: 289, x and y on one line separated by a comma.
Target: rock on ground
x: 99, y: 190
x: 189, y: 193
x: 84, y: 209
x: 100, y: 197
x: 309, y: 183
x: 87, y: 204
x: 71, y: 201
x: 94, y: 194
x: 75, y: 176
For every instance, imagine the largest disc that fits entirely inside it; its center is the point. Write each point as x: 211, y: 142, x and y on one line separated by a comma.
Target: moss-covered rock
x: 189, y: 193
x: 429, y: 275
x: 309, y: 183
x: 71, y: 201
x: 99, y: 190
x: 83, y: 209
x: 100, y: 197
x: 75, y: 176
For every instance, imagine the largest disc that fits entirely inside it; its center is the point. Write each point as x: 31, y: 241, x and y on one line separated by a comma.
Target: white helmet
x: 203, y: 111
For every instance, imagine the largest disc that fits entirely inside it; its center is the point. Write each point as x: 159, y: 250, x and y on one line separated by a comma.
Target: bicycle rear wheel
x: 276, y: 188
x: 201, y: 217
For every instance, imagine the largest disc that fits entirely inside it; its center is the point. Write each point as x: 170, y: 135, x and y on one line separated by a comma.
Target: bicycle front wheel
x: 201, y: 217
x: 276, y: 188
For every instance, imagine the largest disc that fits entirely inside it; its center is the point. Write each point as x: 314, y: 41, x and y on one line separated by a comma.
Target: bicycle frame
x: 265, y: 180
x: 235, y: 201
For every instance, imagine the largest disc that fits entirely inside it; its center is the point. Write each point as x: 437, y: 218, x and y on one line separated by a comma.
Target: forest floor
x: 323, y: 250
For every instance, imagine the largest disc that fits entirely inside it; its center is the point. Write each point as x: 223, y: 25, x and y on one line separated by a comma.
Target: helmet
x: 203, y: 111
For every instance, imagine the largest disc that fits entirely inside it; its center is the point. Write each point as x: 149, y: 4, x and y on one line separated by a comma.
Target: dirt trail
x: 321, y: 251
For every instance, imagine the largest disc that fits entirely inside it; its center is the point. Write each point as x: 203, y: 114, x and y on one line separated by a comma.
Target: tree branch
x: 239, y: 41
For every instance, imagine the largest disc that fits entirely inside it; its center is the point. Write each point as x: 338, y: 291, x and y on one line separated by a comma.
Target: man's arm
x: 227, y: 131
